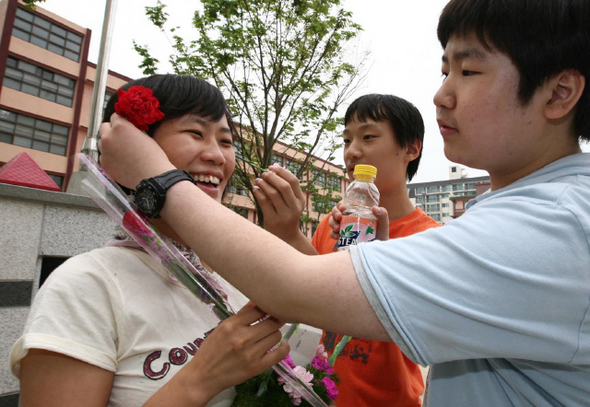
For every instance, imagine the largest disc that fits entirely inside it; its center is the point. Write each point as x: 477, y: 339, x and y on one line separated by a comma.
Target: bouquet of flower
x: 269, y: 389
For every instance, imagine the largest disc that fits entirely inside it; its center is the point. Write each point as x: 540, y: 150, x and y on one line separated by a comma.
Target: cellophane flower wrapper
x: 117, y: 205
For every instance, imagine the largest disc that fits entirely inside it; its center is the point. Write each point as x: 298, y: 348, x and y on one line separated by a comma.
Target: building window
x: 43, y: 33
x: 457, y: 187
x: 432, y: 198
x: 240, y: 211
x: 470, y: 186
x: 433, y: 208
x: 107, y: 97
x: 292, y: 165
x: 420, y: 190
x: 239, y: 150
x: 234, y: 186
x: 319, y: 205
x: 276, y: 159
x: 58, y: 179
x: 29, y: 132
x: 319, y: 178
x: 335, y: 182
x: 435, y: 216
x: 37, y: 81
x: 48, y: 264
x: 433, y: 189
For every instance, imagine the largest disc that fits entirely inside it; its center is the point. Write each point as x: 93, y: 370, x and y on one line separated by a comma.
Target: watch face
x: 146, y: 200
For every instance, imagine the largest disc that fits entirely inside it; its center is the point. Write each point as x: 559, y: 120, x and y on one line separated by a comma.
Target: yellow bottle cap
x: 367, y: 170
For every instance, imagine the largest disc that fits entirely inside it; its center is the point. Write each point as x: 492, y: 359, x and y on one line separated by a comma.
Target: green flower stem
x: 338, y: 349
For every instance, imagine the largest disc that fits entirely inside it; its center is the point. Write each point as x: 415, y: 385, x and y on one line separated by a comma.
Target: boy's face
x: 374, y: 143
x: 482, y: 123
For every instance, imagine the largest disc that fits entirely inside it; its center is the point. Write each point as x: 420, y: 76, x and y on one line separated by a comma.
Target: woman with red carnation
x: 111, y: 327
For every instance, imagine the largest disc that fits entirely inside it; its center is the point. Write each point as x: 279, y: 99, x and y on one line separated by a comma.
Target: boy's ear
x: 566, y: 89
x: 413, y: 150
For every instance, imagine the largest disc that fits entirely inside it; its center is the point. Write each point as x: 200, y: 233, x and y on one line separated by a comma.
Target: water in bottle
x: 358, y: 222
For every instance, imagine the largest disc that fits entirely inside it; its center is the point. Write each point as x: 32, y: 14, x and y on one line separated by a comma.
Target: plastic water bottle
x: 358, y: 222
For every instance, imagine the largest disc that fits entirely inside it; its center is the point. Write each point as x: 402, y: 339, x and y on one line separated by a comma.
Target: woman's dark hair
x: 541, y: 37
x: 405, y: 119
x: 179, y: 95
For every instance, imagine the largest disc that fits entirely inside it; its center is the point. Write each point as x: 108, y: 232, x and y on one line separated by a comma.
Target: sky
x: 404, y: 59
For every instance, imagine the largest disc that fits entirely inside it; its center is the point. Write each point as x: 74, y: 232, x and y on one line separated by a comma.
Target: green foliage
x: 281, y: 66
x: 148, y: 63
x: 32, y: 4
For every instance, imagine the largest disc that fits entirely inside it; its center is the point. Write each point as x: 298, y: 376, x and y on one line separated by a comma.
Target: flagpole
x: 90, y: 143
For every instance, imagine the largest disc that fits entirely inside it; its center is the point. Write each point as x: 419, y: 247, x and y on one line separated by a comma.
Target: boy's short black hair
x: 405, y: 119
x: 541, y: 37
x: 179, y: 95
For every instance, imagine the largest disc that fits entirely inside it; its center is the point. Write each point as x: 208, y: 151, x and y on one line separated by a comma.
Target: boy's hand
x: 129, y: 155
x: 382, y: 232
x: 281, y: 200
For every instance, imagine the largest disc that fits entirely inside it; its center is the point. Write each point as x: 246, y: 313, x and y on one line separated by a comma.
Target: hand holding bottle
x: 358, y: 223
x: 379, y: 212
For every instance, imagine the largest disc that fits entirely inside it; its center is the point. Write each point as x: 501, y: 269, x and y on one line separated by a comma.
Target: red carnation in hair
x: 139, y: 105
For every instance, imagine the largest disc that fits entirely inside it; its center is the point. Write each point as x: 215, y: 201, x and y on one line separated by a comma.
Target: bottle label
x: 354, y: 230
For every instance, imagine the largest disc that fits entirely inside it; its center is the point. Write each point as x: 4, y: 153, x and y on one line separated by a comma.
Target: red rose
x: 139, y: 106
x: 135, y: 227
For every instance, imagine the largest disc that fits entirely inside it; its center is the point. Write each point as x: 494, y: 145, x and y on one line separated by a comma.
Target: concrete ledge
x: 41, y: 195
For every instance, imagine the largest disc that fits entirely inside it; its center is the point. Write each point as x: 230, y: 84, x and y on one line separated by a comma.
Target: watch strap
x: 169, y: 178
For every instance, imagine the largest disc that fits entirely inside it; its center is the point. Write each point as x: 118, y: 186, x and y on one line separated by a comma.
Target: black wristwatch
x: 150, y: 193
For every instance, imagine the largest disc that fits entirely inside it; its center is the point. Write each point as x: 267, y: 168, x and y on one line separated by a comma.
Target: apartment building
x: 444, y: 200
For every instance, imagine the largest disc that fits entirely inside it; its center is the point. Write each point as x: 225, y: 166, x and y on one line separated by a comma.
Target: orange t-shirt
x: 373, y: 373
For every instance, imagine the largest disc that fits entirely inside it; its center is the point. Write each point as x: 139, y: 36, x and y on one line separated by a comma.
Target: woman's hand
x: 129, y: 155
x: 238, y: 349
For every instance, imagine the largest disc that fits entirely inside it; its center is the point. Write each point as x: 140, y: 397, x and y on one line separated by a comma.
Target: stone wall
x: 36, y: 225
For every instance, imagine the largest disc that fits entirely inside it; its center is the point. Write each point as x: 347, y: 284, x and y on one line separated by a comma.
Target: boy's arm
x: 278, y: 278
x: 282, y: 202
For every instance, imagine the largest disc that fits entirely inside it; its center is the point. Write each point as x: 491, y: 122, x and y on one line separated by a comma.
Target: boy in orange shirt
x: 387, y: 132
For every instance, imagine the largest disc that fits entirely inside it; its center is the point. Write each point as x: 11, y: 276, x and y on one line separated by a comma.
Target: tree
x: 32, y: 4
x: 282, y: 67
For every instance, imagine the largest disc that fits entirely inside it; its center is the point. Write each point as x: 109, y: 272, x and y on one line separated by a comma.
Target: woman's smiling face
x: 201, y: 147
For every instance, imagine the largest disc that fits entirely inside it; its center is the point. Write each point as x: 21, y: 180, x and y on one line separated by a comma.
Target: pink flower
x: 322, y: 364
x: 321, y: 352
x: 330, y: 388
x: 304, y: 375
x: 289, y: 361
